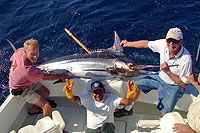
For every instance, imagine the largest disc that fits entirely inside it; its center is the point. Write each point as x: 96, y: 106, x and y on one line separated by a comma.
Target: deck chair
x: 46, y: 125
x: 164, y: 125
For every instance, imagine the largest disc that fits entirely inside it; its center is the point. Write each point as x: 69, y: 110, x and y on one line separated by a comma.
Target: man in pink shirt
x: 24, y: 78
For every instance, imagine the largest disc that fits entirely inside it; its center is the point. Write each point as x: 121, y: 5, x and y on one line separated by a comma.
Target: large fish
x: 102, y: 64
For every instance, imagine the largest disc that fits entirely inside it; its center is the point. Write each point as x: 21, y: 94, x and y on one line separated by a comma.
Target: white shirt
x: 99, y: 112
x: 182, y: 61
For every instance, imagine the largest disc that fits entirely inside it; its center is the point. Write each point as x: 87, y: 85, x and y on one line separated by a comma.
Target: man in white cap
x: 175, y: 62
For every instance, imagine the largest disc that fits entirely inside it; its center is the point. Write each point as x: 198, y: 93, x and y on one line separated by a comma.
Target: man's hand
x: 190, y: 78
x: 164, y: 66
x: 124, y: 43
x: 68, y: 89
x: 63, y: 77
x: 182, y: 128
x: 132, y: 89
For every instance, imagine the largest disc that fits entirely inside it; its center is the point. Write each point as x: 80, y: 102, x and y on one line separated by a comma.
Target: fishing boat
x: 14, y: 111
x: 72, y: 117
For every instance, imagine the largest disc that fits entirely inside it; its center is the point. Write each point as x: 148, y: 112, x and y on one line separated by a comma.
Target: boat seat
x: 46, y: 125
x: 164, y: 125
x: 28, y: 129
x: 151, y: 126
x: 58, y: 120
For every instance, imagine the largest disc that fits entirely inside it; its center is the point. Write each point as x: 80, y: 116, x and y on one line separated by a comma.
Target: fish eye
x: 130, y: 65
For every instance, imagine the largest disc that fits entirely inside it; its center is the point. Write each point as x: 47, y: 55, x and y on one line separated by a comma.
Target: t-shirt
x: 23, y: 72
x: 182, y: 61
x: 99, y: 112
x: 193, y: 115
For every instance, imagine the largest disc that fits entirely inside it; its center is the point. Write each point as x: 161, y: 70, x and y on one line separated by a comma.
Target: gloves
x: 68, y: 89
x: 132, y: 89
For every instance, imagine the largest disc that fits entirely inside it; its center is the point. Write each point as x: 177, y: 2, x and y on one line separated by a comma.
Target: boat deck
x: 74, y: 116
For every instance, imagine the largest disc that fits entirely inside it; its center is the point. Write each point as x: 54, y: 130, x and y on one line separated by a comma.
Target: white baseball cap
x: 175, y: 33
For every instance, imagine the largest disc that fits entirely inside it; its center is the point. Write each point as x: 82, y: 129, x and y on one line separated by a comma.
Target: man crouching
x: 101, y: 105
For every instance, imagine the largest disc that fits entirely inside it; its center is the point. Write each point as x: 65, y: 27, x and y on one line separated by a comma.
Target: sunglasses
x: 169, y: 40
x: 99, y: 91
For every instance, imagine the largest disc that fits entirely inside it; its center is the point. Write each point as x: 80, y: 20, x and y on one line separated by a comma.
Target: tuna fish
x: 102, y: 64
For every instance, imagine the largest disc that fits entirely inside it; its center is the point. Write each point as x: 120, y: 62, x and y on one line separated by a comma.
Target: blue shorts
x: 168, y: 94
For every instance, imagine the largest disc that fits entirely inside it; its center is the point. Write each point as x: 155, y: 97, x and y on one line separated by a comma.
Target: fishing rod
x: 83, y: 46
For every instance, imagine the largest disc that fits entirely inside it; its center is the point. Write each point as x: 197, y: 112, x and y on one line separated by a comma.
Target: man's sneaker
x: 123, y: 112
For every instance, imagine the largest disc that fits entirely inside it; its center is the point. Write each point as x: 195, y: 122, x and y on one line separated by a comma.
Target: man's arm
x: 74, y: 99
x: 136, y: 44
x: 54, y: 76
x: 126, y: 101
x: 164, y: 66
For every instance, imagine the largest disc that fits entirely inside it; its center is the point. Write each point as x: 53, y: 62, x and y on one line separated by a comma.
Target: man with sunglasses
x: 175, y: 62
x: 101, y: 105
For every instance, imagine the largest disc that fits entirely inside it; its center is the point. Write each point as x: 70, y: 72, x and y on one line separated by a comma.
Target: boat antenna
x: 83, y: 46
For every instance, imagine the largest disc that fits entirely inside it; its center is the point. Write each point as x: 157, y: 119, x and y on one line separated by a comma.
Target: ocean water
x: 93, y: 22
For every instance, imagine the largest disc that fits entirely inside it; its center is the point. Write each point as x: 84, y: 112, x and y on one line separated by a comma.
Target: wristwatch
x: 169, y: 73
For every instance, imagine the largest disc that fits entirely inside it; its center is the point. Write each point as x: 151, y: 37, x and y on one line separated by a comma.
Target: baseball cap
x: 175, y: 33
x: 96, y: 85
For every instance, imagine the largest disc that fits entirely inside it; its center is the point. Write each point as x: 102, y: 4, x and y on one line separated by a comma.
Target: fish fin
x: 116, y: 46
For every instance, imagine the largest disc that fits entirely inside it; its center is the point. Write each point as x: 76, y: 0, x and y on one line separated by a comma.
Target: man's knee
x: 44, y: 104
x: 43, y: 91
x: 47, y: 92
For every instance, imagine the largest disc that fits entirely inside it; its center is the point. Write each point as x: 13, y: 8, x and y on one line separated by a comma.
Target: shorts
x: 30, y: 95
x: 168, y: 94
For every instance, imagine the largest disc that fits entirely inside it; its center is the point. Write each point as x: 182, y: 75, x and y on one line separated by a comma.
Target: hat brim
x: 96, y: 88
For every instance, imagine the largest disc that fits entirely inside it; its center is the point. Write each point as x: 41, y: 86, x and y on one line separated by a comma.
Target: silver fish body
x: 107, y: 64
x: 104, y: 64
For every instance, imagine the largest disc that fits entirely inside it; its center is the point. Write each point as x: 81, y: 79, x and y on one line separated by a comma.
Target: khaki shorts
x: 30, y: 95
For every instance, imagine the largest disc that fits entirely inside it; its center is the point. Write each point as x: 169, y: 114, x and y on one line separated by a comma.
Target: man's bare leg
x: 43, y: 103
x: 46, y: 107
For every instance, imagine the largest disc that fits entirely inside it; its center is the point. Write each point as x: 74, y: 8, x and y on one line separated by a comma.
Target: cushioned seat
x: 28, y: 129
x: 164, y: 125
x: 46, y: 125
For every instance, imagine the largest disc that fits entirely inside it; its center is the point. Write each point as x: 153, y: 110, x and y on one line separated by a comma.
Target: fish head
x: 126, y: 67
